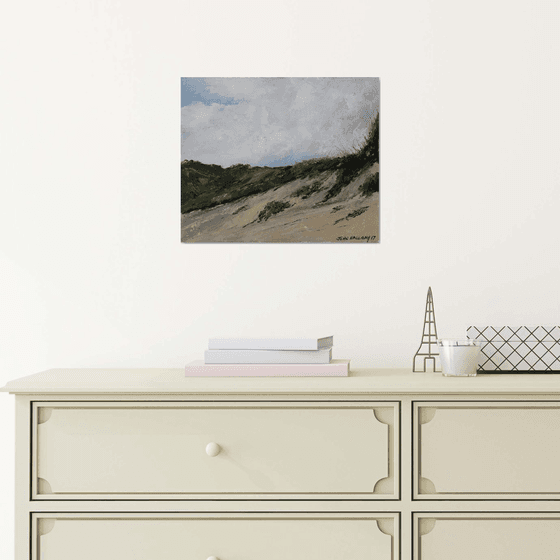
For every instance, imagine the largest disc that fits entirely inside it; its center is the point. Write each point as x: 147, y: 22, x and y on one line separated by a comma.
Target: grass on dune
x: 206, y: 186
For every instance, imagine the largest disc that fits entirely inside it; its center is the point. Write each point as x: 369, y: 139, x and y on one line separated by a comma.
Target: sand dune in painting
x: 294, y: 212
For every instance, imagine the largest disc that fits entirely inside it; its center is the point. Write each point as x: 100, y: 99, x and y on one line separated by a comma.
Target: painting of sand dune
x: 279, y: 160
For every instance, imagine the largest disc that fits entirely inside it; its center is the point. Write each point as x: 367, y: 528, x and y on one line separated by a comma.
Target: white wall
x: 92, y: 271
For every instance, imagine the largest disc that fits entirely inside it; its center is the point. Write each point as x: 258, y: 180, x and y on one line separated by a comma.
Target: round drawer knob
x: 212, y: 558
x: 213, y: 449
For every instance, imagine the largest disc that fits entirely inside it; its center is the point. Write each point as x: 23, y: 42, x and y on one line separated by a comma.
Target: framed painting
x: 280, y: 160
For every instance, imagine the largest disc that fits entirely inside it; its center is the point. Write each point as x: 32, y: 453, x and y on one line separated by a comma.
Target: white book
x: 270, y: 343
x: 322, y: 356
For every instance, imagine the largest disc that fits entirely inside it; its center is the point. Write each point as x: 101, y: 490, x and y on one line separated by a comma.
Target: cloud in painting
x: 273, y: 121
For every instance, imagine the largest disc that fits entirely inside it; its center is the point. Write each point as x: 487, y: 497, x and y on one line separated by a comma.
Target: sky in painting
x: 273, y: 121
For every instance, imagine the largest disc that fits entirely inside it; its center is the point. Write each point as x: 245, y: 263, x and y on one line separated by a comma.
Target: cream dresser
x: 384, y: 465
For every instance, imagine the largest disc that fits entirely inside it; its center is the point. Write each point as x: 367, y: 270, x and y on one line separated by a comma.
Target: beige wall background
x: 92, y: 271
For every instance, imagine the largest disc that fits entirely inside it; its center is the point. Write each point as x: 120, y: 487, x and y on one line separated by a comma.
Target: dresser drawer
x: 227, y: 537
x: 486, y: 450
x: 208, y: 450
x: 480, y: 536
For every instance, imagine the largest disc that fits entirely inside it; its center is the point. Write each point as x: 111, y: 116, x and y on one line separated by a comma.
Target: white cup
x: 459, y: 357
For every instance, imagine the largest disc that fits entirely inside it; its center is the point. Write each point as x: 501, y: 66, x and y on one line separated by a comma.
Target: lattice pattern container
x: 517, y: 349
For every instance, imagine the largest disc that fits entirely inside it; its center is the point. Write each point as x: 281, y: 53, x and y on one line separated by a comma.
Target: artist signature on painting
x: 366, y: 238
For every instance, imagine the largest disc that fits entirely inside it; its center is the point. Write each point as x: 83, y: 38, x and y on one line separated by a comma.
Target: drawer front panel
x: 487, y: 450
x: 487, y: 537
x: 96, y: 450
x: 165, y: 537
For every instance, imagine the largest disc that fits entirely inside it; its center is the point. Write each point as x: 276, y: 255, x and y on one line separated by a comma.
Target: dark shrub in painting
x: 272, y: 208
x: 371, y: 185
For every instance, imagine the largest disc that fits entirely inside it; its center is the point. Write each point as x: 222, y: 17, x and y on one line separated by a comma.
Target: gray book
x: 270, y: 343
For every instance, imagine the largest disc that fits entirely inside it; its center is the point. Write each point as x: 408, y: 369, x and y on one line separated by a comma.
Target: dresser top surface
x: 360, y: 381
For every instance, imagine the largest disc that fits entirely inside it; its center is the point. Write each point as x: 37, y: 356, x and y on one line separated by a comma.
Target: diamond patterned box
x: 518, y: 349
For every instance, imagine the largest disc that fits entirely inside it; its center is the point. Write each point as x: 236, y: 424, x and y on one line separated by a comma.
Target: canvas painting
x: 280, y: 160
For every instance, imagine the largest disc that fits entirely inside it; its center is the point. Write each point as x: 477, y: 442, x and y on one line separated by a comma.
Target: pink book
x: 337, y: 368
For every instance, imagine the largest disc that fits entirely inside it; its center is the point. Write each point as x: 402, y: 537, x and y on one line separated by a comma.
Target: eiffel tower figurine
x: 428, y: 346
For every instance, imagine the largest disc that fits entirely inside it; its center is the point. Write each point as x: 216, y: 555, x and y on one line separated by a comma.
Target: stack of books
x: 269, y: 357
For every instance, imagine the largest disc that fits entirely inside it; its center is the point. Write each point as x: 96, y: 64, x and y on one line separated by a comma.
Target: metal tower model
x: 428, y: 346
